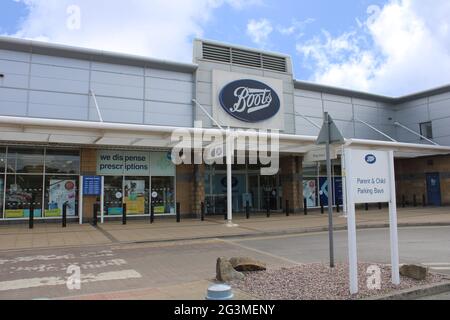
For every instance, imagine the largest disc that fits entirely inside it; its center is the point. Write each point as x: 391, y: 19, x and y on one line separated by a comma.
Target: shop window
x: 60, y: 190
x: 135, y: 195
x: 23, y: 191
x: 62, y: 161
x: 163, y: 195
x: 113, y: 195
x: 22, y: 160
x: 2, y: 160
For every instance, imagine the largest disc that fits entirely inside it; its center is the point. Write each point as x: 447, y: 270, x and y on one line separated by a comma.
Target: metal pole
x: 202, y: 211
x: 152, y: 213
x: 124, y: 214
x: 229, y: 179
x: 31, y: 215
x: 330, y: 192
x: 80, y: 202
x: 102, y: 199
x: 247, y: 210
x: 178, y: 213
x: 64, y: 215
x: 94, y: 218
x: 351, y: 227
x: 393, y: 223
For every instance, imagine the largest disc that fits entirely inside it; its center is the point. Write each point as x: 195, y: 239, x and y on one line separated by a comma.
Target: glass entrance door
x: 269, y: 191
x: 113, y: 195
x: 163, y: 195
x: 135, y: 195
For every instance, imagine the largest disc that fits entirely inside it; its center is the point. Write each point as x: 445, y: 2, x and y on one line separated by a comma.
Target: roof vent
x: 242, y: 57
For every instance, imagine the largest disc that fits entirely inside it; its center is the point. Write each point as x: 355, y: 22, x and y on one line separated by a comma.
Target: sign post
x: 329, y: 134
x: 370, y: 178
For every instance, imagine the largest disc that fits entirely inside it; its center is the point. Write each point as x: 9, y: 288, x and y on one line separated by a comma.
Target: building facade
x: 68, y: 112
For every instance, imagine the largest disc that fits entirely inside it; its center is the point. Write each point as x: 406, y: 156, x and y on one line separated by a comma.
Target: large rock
x: 414, y: 271
x: 247, y: 264
x: 225, y: 271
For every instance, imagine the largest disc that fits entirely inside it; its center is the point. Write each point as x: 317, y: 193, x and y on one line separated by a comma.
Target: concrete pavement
x: 184, y: 269
x: 51, y: 235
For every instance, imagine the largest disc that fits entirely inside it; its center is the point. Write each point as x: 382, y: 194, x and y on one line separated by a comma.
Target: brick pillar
x: 198, y: 191
x: 88, y: 167
x: 291, y: 169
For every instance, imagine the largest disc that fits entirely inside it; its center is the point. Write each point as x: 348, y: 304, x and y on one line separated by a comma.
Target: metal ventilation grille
x: 216, y: 53
x: 243, y: 57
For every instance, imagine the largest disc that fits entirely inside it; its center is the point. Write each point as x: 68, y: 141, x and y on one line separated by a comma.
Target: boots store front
x: 74, y: 118
x: 45, y: 178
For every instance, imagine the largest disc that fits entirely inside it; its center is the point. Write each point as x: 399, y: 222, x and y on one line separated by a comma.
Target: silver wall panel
x: 13, y: 102
x: 308, y: 107
x: 439, y: 109
x: 110, y: 115
x: 339, y: 110
x: 172, y: 75
x: 117, y: 68
x: 56, y: 111
x: 59, y: 61
x: 119, y: 104
x: 303, y: 127
x: 14, y: 55
x: 367, y: 114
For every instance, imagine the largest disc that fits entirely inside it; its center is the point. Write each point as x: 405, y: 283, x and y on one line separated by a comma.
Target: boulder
x: 225, y: 271
x: 414, y: 271
x: 247, y: 264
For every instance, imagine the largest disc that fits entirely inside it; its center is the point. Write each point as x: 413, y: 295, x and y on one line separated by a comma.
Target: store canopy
x: 103, y: 134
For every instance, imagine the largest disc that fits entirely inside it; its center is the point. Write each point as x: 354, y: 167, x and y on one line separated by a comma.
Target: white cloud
x: 402, y: 48
x: 295, y: 27
x: 157, y: 28
x: 259, y: 31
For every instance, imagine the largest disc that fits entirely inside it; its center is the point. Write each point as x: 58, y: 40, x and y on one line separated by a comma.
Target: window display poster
x: 21, y: 197
x: 134, y: 196
x: 60, y: 192
x: 309, y: 192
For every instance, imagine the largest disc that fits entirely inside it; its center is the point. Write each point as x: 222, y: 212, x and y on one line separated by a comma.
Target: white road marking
x: 440, y: 268
x: 56, y: 281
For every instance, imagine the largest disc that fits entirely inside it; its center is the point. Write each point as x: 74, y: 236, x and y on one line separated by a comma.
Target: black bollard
x: 338, y: 207
x: 367, y: 207
x: 287, y: 208
x: 152, y: 213
x: 414, y: 201
x: 64, y: 215
x: 202, y: 211
x: 305, y: 206
x: 94, y: 219
x: 178, y: 213
x: 124, y: 214
x: 380, y: 206
x: 268, y: 209
x: 403, y: 201
x: 247, y: 210
x: 424, y: 201
x: 31, y: 217
x: 322, y: 208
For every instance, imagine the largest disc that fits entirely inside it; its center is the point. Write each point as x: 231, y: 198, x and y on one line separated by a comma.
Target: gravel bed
x: 320, y: 282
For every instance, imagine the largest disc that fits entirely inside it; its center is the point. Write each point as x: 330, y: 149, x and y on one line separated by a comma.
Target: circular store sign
x: 370, y: 159
x: 249, y: 100
x: 154, y: 194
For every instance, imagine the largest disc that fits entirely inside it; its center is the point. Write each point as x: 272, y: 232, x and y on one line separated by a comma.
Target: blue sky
x: 391, y: 47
